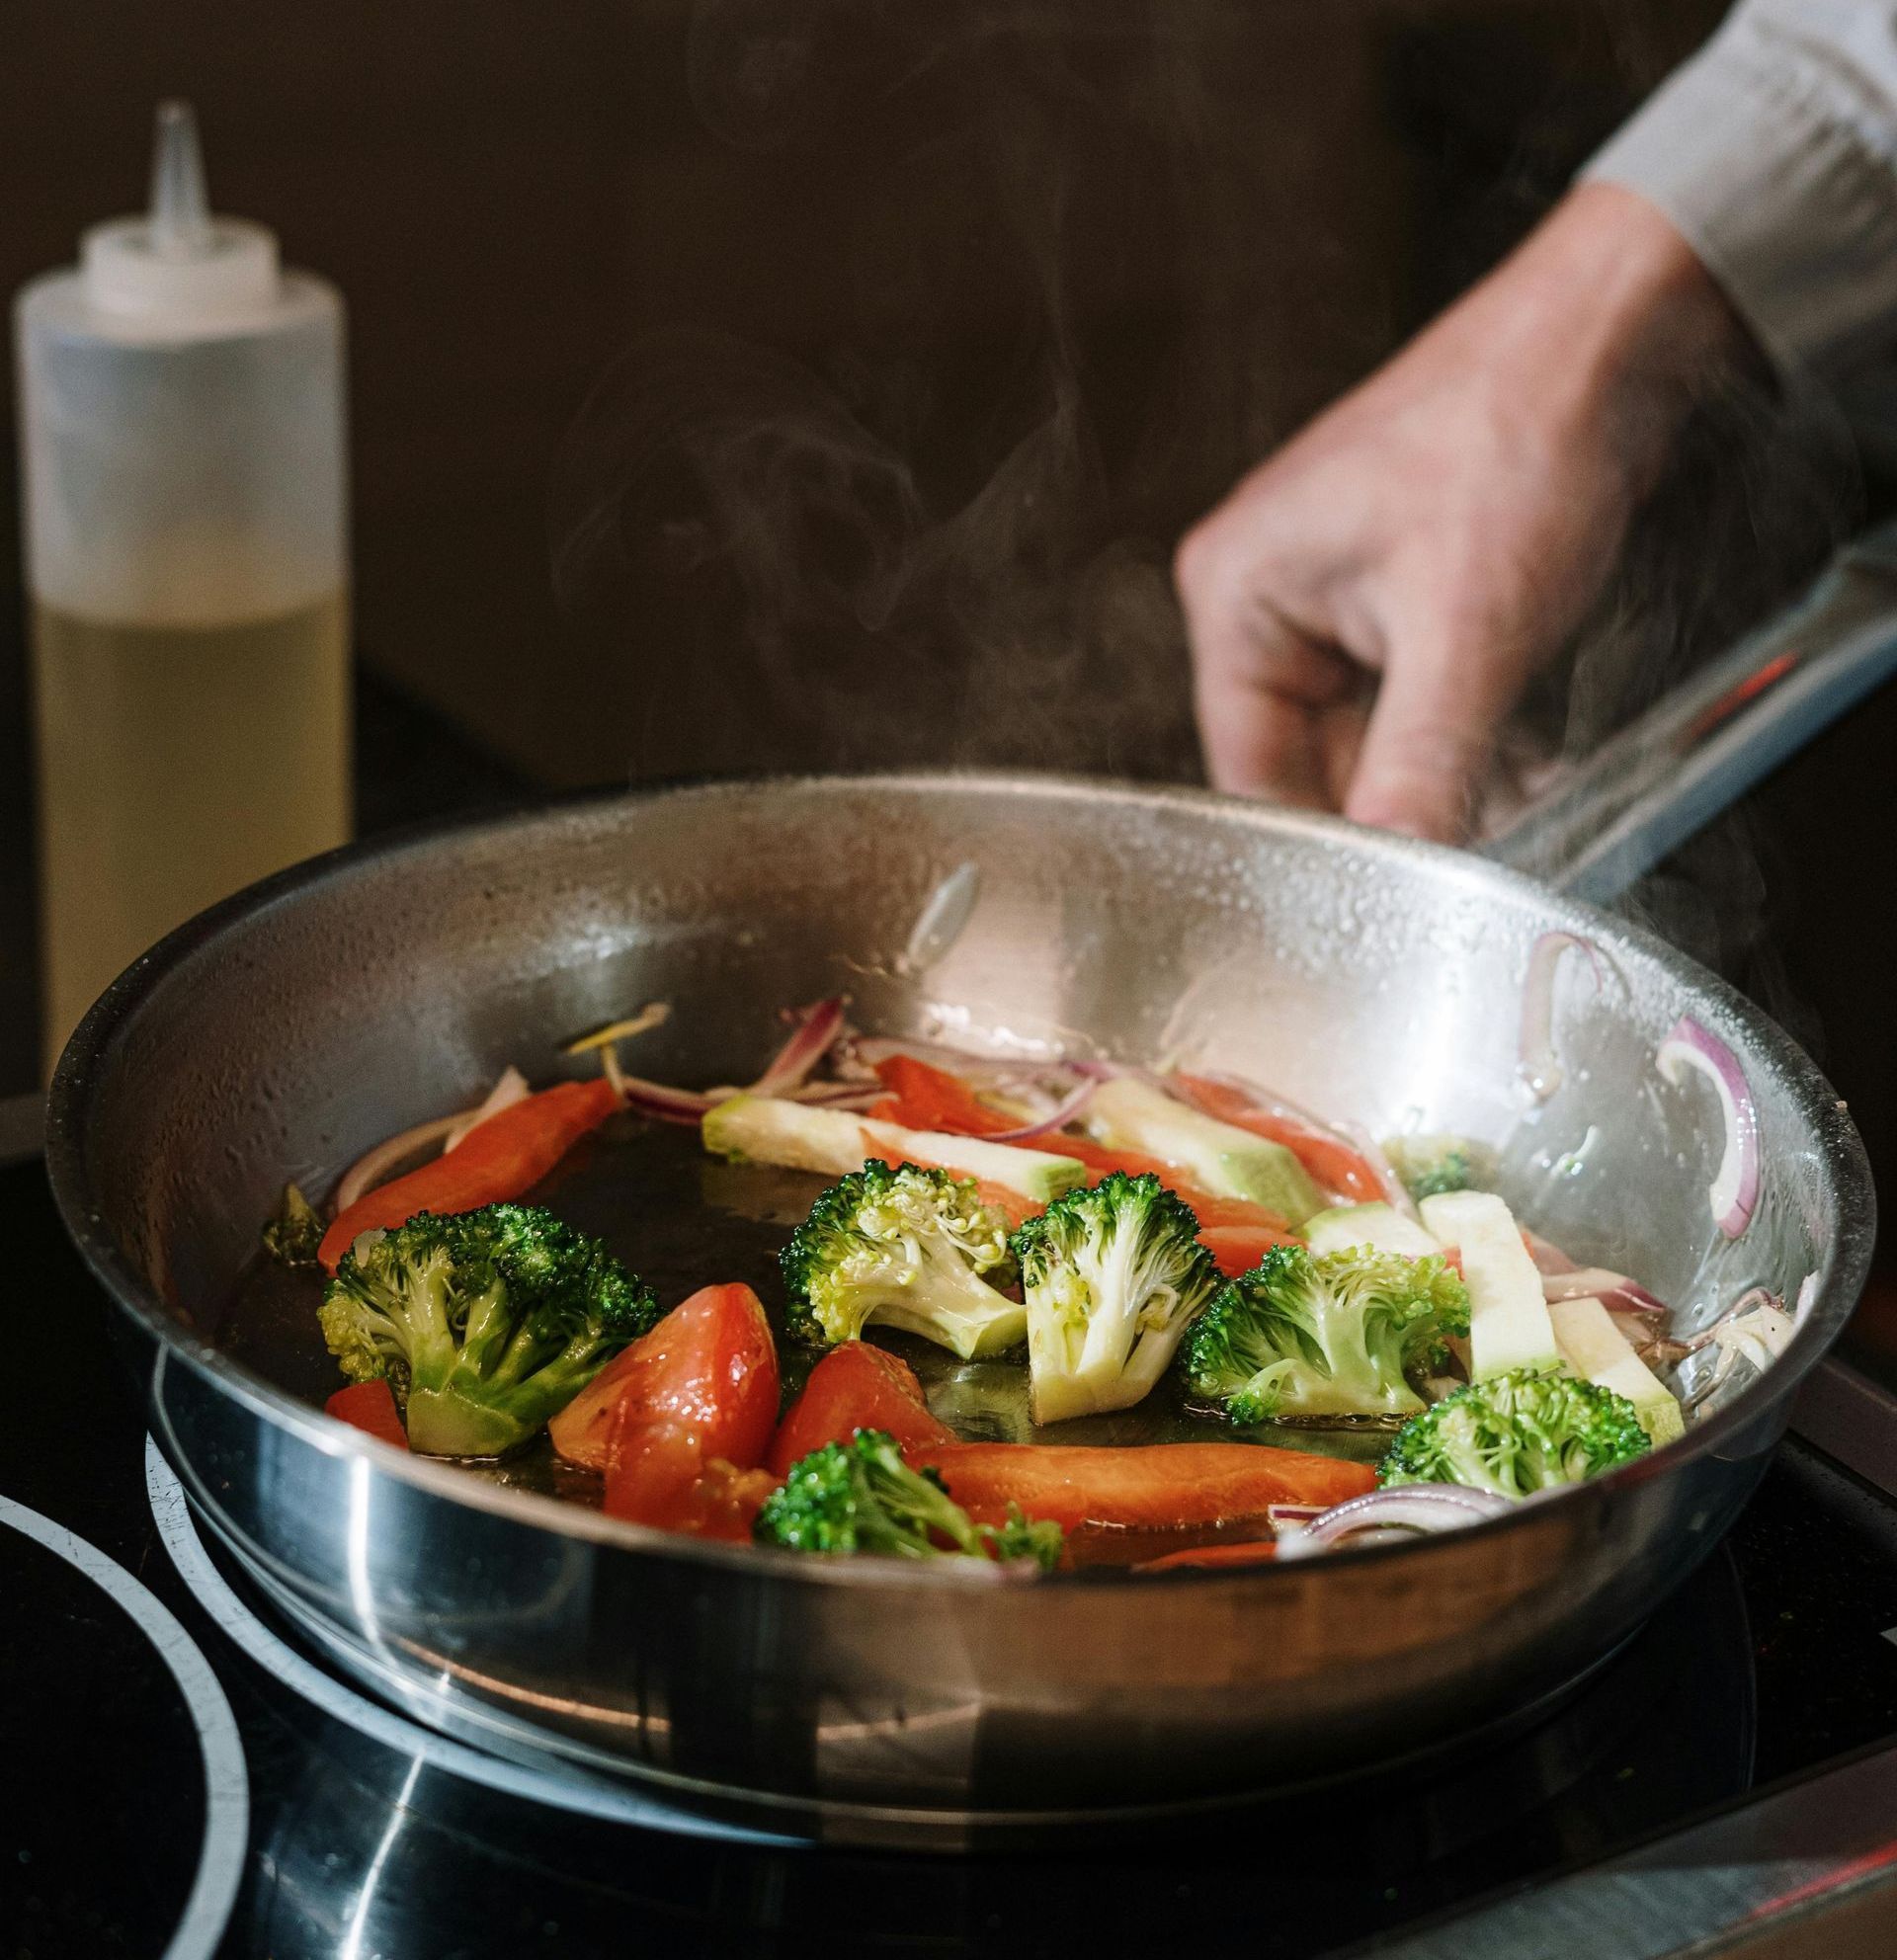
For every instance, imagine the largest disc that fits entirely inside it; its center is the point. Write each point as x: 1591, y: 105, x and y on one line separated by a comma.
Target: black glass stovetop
x: 170, y: 1783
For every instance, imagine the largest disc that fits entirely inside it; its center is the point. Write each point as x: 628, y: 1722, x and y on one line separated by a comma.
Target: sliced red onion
x: 1595, y: 1282
x: 660, y: 1100
x: 1537, y: 1065
x: 375, y: 1166
x: 818, y: 1028
x: 1293, y: 1515
x: 1404, y: 1508
x: 510, y: 1088
x: 1806, y: 1300
x: 1547, y: 1257
x: 1735, y: 1185
x: 830, y: 1095
x: 1059, y: 1118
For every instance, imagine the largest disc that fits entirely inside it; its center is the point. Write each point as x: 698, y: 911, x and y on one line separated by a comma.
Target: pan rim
x: 75, y: 1085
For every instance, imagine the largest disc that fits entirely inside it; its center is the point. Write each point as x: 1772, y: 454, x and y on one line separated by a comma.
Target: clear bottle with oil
x: 183, y: 461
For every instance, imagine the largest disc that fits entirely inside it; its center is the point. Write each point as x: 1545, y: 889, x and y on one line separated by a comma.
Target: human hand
x: 1447, y: 525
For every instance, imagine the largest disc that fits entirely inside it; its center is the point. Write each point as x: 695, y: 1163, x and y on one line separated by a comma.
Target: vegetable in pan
x: 1517, y: 1434
x: 1126, y: 1225
x: 1337, y: 1335
x: 1113, y: 1276
x: 486, y: 1323
x: 861, y: 1496
x: 908, y: 1248
x: 294, y: 1236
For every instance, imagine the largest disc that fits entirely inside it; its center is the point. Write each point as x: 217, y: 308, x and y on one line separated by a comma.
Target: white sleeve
x: 1774, y: 151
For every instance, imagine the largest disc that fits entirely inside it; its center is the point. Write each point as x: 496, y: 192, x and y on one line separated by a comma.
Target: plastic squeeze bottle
x: 182, y: 456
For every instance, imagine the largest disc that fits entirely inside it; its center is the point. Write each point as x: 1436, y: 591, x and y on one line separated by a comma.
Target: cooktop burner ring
x: 225, y: 1840
x: 568, y: 1790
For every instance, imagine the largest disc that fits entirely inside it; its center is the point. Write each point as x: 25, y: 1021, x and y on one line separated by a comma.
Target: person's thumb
x: 1432, y: 731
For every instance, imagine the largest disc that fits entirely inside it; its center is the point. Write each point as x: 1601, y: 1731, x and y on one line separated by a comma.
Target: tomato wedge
x: 1146, y: 1486
x: 1238, y: 1247
x: 498, y: 1159
x: 1329, y: 1160
x: 370, y: 1406
x: 698, y: 1391
x: 855, y: 1386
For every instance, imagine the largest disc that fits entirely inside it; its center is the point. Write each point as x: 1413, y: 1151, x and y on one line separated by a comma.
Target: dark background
x: 743, y: 384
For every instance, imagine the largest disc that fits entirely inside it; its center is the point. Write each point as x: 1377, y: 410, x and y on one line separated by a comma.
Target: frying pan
x: 280, y: 1034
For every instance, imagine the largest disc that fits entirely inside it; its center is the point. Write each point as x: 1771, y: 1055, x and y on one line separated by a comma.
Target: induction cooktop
x: 181, y: 1775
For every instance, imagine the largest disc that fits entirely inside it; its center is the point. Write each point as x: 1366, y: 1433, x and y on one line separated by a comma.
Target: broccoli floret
x: 486, y: 1324
x: 860, y: 1496
x: 1113, y: 1276
x: 1515, y: 1433
x: 1432, y: 1165
x: 907, y: 1247
x: 1333, y: 1334
x: 294, y: 1236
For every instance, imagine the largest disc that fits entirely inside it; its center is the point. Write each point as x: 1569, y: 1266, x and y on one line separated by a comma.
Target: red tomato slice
x: 1146, y: 1486
x: 855, y: 1387
x: 702, y: 1385
x: 370, y: 1406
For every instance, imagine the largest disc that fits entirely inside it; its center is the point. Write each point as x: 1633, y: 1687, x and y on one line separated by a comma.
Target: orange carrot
x: 1238, y: 1247
x: 1168, y: 1486
x: 931, y: 1099
x: 1331, y: 1162
x: 1246, y: 1551
x: 498, y: 1159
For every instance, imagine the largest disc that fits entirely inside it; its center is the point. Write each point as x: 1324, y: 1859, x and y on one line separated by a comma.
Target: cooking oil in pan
x: 685, y: 1220
x: 177, y: 764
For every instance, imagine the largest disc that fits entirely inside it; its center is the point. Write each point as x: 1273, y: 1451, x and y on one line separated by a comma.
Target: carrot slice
x: 498, y: 1159
x: 931, y: 1099
x: 370, y: 1406
x: 1330, y: 1160
x: 1147, y: 1487
x: 1246, y: 1551
x: 1238, y: 1247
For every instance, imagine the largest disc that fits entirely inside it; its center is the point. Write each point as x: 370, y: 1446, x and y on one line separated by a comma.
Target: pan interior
x: 1367, y: 978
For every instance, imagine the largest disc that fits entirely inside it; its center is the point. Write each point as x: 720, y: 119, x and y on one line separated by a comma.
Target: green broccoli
x: 1515, y: 1434
x: 860, y: 1496
x: 486, y: 1324
x: 907, y: 1247
x: 1325, y: 1335
x: 292, y: 1237
x: 1432, y: 1165
x: 1113, y: 1276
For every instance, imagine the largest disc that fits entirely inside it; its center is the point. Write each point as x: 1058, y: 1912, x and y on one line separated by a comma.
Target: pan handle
x: 1666, y: 775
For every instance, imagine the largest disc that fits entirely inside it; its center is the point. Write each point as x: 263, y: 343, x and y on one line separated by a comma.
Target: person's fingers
x: 1262, y: 689
x: 1432, y: 731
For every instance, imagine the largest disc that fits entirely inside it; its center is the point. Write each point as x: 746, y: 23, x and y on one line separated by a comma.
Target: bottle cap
x: 178, y: 263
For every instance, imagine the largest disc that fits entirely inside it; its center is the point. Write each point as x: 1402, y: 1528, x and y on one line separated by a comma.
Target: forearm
x: 1773, y: 155
x: 1609, y: 317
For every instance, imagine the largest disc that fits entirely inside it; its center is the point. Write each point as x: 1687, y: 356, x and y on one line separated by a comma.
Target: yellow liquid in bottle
x: 177, y: 764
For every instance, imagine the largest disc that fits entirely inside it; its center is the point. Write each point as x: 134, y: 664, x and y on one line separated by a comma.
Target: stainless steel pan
x: 282, y: 1033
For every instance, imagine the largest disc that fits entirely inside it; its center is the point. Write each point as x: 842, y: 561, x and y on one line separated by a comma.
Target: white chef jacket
x: 1773, y: 152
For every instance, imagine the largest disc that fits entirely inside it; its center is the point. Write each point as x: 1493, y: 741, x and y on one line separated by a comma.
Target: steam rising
x: 933, y: 525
